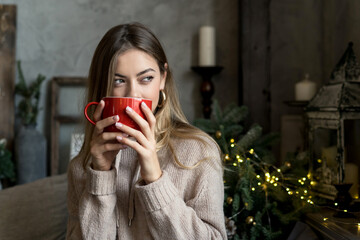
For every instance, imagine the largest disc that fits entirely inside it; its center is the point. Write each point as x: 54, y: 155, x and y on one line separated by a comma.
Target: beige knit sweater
x: 181, y: 204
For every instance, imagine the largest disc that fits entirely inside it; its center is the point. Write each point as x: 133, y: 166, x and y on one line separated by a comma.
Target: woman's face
x: 137, y: 74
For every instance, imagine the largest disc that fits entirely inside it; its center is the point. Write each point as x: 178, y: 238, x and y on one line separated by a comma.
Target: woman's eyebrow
x: 119, y: 75
x: 145, y: 71
x: 138, y: 74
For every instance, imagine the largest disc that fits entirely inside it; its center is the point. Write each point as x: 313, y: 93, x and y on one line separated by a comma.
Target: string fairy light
x: 274, y: 176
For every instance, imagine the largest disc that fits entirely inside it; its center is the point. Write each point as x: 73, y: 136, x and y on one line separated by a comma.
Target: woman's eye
x: 147, y: 79
x: 119, y: 81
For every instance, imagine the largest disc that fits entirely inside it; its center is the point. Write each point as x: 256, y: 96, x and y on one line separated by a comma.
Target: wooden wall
x: 7, y: 71
x: 282, y: 40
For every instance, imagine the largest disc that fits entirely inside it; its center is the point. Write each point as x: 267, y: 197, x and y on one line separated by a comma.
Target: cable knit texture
x: 181, y: 204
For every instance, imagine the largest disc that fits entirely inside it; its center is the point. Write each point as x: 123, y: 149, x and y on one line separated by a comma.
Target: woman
x: 163, y: 182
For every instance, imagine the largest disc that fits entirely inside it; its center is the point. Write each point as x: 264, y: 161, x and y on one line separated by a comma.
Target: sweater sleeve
x: 170, y: 217
x: 91, y: 204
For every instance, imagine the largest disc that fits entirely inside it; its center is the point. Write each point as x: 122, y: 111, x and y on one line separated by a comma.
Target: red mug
x: 117, y: 106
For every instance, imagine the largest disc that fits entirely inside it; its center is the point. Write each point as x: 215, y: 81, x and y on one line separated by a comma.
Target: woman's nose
x: 132, y: 91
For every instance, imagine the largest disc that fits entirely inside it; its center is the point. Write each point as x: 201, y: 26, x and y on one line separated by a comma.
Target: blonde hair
x: 170, y: 119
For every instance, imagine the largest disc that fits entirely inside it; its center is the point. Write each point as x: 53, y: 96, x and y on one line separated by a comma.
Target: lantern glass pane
x: 325, y: 155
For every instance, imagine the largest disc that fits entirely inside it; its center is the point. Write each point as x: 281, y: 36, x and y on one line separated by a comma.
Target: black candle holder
x: 343, y: 199
x: 207, y: 88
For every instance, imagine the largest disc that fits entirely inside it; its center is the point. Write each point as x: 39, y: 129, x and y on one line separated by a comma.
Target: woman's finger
x: 109, y: 136
x: 112, y: 147
x: 98, y: 110
x: 139, y: 136
x: 131, y: 143
x: 101, y: 124
x: 149, y: 115
x: 100, y: 149
x: 143, y: 124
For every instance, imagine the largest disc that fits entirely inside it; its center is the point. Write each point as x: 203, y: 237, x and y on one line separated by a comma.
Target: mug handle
x: 85, y: 111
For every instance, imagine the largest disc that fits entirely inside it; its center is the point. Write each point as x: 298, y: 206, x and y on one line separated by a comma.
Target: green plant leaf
x: 28, y: 107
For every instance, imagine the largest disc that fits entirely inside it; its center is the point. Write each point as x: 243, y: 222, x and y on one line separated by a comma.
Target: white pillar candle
x: 305, y: 90
x: 207, y: 46
x: 351, y: 176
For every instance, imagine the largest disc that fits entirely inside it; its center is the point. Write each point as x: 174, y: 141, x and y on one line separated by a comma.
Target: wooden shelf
x: 329, y: 227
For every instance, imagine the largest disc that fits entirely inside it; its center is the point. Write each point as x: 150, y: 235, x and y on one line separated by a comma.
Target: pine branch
x: 235, y: 115
x: 217, y: 112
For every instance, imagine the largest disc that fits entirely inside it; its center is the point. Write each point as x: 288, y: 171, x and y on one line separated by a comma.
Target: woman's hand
x: 145, y: 144
x: 104, y: 146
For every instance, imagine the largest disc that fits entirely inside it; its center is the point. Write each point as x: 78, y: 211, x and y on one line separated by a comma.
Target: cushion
x: 35, y: 210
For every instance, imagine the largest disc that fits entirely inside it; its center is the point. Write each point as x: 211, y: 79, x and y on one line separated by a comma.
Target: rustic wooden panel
x: 7, y: 71
x: 255, y: 40
x: 57, y: 119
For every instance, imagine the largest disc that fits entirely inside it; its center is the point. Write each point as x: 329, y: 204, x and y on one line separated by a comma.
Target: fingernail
x: 119, y: 138
x: 125, y: 135
x: 116, y: 118
x: 129, y: 109
x: 143, y: 104
x: 118, y: 124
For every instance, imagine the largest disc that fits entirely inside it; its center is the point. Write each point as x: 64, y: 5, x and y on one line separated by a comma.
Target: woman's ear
x: 163, y: 77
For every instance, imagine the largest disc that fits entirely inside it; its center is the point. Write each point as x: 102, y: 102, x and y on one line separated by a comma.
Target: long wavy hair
x: 170, y: 119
